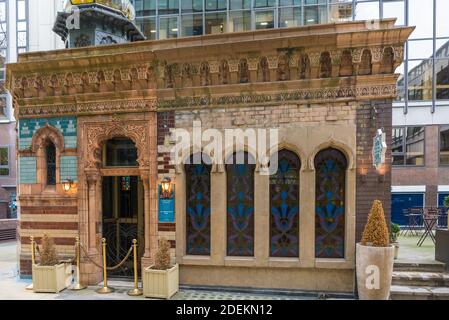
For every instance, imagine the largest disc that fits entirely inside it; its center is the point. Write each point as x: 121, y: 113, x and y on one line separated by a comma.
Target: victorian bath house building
x: 96, y: 123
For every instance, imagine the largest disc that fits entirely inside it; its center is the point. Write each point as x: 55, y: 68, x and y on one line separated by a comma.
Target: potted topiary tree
x: 395, y: 230
x: 374, y: 257
x: 50, y: 275
x: 161, y: 280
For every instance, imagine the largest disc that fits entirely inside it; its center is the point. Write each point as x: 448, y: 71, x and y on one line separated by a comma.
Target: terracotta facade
x: 321, y: 86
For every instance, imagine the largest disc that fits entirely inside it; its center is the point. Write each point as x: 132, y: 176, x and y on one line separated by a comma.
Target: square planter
x: 51, y: 279
x: 160, y: 283
x: 442, y: 246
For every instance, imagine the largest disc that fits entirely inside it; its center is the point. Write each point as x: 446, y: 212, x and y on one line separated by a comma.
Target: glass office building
x: 420, y: 145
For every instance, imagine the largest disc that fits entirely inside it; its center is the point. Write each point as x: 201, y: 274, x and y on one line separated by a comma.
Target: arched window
x: 304, y: 67
x: 50, y: 158
x: 330, y: 184
x: 240, y: 204
x: 120, y: 152
x: 243, y: 71
x: 387, y: 64
x: 283, y: 71
x: 205, y: 74
x: 198, y: 210
x: 365, y: 67
x: 224, y: 72
x: 325, y: 65
x: 263, y: 71
x: 346, y: 64
x: 284, y: 206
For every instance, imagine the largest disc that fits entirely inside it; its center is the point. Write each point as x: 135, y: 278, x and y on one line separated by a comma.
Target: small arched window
x: 365, y: 67
x: 330, y: 186
x: 263, y: 71
x: 50, y: 158
x: 325, y: 65
x: 387, y: 64
x: 243, y: 71
x: 304, y: 67
x: 346, y: 64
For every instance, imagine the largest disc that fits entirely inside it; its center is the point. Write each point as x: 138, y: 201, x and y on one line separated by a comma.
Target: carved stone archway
x: 94, y: 133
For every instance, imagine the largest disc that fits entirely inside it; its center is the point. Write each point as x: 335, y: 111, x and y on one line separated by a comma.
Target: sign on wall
x: 166, y: 205
x: 379, y: 149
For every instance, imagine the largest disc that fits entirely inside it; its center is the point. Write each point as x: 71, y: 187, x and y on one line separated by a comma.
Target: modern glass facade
x: 424, y: 74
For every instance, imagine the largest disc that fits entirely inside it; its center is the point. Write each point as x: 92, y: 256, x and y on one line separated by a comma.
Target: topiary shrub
x: 376, y: 230
x: 162, y: 257
x: 48, y: 256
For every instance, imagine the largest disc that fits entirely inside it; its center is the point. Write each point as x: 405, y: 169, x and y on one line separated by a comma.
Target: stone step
x: 429, y: 279
x: 419, y: 293
x: 421, y: 266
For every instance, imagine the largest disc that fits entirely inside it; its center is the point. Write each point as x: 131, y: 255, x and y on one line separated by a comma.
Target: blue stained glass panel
x: 240, y: 206
x: 330, y: 183
x: 284, y: 206
x: 198, y: 208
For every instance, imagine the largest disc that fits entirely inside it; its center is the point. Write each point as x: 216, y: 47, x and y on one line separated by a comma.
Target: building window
x: 4, y: 161
x: 408, y: 146
x: 22, y: 26
x: 120, y: 152
x: 3, y: 39
x: 50, y: 156
x: 284, y: 206
x: 240, y: 204
x: 330, y: 185
x: 444, y: 145
x: 198, y: 210
x: 400, y: 202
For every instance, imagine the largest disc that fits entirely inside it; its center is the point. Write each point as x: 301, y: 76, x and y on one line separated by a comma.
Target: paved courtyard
x: 409, y: 250
x: 13, y: 288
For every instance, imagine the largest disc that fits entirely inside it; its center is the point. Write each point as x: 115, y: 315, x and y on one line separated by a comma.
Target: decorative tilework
x: 27, y: 170
x: 27, y: 128
x: 68, y: 168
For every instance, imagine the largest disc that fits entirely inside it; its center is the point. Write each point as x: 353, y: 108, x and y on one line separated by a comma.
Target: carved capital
x: 273, y: 62
x: 314, y: 58
x: 376, y: 54
x: 357, y: 55
x: 253, y: 63
x: 213, y: 66
x: 233, y: 65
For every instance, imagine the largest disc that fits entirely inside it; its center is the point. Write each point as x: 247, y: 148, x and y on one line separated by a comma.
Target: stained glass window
x: 240, y: 204
x: 330, y: 166
x: 50, y: 153
x: 198, y: 209
x: 284, y: 206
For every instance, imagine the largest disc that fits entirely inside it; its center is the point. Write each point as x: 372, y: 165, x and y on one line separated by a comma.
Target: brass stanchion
x: 105, y: 288
x: 136, y: 291
x: 78, y: 285
x: 33, y: 261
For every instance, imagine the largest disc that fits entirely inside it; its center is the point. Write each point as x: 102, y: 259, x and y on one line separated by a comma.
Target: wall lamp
x: 67, y: 185
x: 166, y: 187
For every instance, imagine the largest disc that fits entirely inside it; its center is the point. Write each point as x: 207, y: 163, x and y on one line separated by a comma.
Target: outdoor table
x: 413, y: 223
x: 430, y: 222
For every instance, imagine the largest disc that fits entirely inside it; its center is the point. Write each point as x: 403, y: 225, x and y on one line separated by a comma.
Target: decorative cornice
x: 320, y: 94
x: 103, y: 107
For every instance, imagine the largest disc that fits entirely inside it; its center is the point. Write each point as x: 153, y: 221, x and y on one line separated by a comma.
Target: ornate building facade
x: 100, y: 118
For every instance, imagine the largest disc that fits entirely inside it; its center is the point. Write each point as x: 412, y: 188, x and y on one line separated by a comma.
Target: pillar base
x: 146, y: 262
x: 90, y: 273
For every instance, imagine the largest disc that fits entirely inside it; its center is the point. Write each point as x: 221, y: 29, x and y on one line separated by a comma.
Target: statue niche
x: 346, y: 64
x: 304, y: 67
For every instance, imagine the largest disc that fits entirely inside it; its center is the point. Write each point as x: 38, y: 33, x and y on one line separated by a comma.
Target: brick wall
x: 369, y: 188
